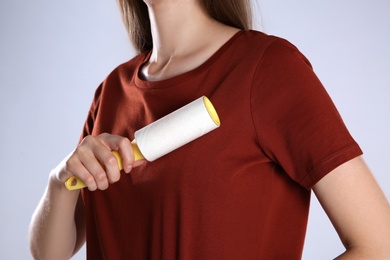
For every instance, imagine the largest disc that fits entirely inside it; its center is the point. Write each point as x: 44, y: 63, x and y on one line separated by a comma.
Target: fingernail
x: 128, y: 169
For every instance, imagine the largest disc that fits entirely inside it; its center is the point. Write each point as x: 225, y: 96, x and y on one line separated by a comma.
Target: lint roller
x: 168, y: 133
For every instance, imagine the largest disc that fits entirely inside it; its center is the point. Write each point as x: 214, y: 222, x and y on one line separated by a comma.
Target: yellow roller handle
x: 74, y: 183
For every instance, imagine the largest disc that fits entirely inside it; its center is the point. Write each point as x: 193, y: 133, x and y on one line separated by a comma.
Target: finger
x: 74, y: 167
x: 123, y: 146
x: 127, y: 155
x: 92, y: 159
x: 95, y: 153
x: 97, y: 171
x: 108, y: 167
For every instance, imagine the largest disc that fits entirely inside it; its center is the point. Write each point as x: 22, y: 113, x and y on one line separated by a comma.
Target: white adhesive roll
x: 177, y: 129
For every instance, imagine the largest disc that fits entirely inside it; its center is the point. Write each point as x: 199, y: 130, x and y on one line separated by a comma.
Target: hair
x: 235, y: 13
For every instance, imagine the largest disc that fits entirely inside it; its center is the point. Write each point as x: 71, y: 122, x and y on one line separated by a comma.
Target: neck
x: 178, y: 28
x: 184, y: 37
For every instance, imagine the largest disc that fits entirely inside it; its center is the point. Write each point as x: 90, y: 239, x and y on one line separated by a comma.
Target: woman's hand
x: 94, y: 163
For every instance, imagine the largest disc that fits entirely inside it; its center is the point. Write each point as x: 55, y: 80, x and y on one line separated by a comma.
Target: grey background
x: 53, y: 54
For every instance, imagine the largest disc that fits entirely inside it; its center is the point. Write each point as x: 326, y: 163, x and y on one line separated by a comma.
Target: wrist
x: 55, y: 183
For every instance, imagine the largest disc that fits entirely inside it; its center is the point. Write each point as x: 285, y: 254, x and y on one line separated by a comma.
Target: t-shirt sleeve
x: 92, y: 114
x: 297, y: 124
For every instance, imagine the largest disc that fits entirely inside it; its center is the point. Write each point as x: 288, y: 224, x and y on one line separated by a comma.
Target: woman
x: 240, y: 192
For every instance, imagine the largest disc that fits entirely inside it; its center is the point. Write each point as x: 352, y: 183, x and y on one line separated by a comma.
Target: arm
x: 57, y: 229
x: 358, y: 210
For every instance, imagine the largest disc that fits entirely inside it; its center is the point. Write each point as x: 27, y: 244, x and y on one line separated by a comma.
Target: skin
x: 57, y: 229
x: 202, y: 36
x: 349, y: 194
x: 358, y: 209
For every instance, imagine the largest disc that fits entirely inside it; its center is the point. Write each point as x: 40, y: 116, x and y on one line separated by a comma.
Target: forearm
x: 53, y: 233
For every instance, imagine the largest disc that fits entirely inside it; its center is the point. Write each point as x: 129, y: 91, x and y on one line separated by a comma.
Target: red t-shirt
x: 239, y: 192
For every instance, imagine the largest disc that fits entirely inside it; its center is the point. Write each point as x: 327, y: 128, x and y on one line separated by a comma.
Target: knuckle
x: 90, y: 182
x: 88, y: 179
x: 99, y: 175
x: 123, y: 142
x: 104, y: 135
x: 110, y: 159
x: 80, y: 152
x: 100, y: 178
x: 88, y: 139
x: 102, y: 182
x: 86, y: 144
